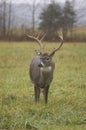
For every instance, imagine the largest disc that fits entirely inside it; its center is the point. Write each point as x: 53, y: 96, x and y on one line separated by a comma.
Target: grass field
x: 66, y: 109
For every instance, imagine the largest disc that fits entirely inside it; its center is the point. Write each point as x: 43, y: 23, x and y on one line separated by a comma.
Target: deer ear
x: 38, y: 52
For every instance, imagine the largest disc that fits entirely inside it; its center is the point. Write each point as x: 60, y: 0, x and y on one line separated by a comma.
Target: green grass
x: 66, y: 108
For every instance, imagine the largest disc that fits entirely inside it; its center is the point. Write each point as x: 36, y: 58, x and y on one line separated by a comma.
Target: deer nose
x: 41, y: 64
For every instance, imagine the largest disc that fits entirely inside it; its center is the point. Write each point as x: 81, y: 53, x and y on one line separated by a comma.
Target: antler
x: 39, y: 41
x: 56, y: 49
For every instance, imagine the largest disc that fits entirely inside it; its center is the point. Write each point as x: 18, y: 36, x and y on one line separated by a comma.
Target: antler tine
x: 39, y: 34
x: 43, y: 36
x: 60, y: 36
x: 56, y: 49
x: 38, y: 41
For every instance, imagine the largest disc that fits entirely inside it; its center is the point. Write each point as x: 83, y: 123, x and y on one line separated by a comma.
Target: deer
x: 42, y: 68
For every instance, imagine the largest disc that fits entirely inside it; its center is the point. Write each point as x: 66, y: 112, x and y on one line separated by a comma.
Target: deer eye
x: 47, y: 58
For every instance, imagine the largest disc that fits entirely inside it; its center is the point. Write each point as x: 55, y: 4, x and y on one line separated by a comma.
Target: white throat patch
x: 46, y: 69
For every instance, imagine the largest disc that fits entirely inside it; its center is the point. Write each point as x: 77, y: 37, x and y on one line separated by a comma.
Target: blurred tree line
x: 53, y: 18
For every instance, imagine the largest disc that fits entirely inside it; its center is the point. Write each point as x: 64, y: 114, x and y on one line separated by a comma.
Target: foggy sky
x: 37, y: 1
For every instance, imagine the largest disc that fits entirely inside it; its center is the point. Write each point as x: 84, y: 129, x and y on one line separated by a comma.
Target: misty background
x: 20, y: 17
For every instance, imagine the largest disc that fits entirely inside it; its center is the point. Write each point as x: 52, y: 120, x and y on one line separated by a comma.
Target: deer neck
x: 45, y: 72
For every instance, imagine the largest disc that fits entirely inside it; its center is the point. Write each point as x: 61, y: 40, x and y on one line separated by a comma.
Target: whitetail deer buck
x: 42, y: 68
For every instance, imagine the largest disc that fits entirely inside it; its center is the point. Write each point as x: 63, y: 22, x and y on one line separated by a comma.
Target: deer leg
x: 46, y: 93
x: 37, y: 93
